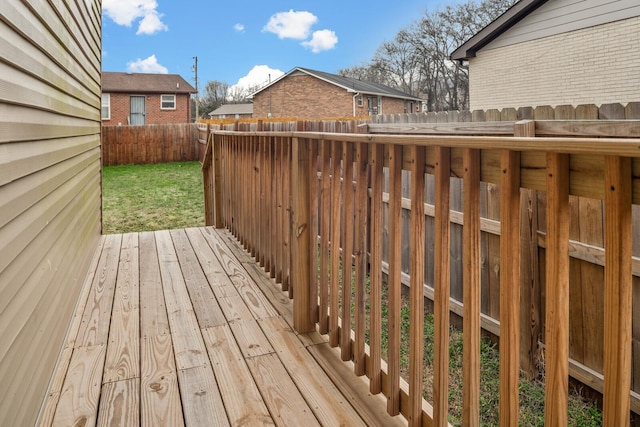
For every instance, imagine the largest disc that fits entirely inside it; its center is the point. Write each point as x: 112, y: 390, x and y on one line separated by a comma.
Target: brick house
x: 556, y: 52
x: 305, y: 93
x: 145, y: 99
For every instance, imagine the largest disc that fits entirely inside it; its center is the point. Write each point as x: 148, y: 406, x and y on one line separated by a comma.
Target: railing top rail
x: 458, y: 128
x: 626, y: 147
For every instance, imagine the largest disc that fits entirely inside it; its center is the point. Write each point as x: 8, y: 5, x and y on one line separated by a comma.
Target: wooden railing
x: 285, y: 197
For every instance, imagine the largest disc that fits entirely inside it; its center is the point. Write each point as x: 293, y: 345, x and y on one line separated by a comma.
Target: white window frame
x: 105, y: 102
x: 360, y: 100
x: 162, y: 101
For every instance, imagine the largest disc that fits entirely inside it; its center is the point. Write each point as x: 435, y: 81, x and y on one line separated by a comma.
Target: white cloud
x: 256, y: 78
x: 125, y: 12
x: 148, y: 65
x: 291, y: 25
x: 321, y: 40
x: 239, y: 28
x: 151, y: 24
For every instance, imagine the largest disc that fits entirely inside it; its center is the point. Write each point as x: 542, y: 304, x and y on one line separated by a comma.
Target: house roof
x: 497, y: 27
x: 232, y: 109
x: 144, y: 83
x: 349, y: 84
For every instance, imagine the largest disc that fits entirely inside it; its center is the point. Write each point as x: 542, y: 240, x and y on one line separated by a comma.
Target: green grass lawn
x: 152, y: 197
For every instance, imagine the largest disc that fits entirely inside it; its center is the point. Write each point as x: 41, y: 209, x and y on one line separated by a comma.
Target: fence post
x: 300, y: 236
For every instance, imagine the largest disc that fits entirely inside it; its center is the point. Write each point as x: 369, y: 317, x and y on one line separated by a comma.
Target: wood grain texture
x: 78, y: 404
x: 557, y: 291
x: 360, y: 254
x: 416, y: 319
x: 241, y: 397
x: 94, y: 329
x: 618, y: 292
x: 119, y: 403
x: 204, y: 302
x: 159, y: 392
x: 442, y: 287
x: 324, y: 398
x: 123, y: 352
x: 300, y: 236
x: 335, y: 243
x: 394, y: 279
x: 375, y: 297
x: 201, y: 401
x: 346, y: 238
x: 285, y: 403
x: 509, y: 287
x: 471, y: 289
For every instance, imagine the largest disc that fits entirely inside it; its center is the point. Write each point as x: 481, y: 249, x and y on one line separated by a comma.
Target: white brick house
x: 556, y: 52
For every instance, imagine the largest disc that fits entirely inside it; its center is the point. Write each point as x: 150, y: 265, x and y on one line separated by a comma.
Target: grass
x: 581, y: 412
x: 152, y: 197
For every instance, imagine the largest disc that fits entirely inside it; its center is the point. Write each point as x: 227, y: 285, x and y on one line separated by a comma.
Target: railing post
x: 557, y: 285
x: 617, y: 290
x: 509, y: 286
x: 300, y: 236
x: 216, y: 146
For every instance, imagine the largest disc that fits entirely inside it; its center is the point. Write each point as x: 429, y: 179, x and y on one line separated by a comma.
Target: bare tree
x: 214, y: 95
x: 417, y: 60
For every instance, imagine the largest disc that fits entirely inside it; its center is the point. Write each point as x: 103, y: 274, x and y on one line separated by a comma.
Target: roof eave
x: 498, y: 26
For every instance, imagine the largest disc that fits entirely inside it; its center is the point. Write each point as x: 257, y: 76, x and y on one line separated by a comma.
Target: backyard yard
x: 152, y: 197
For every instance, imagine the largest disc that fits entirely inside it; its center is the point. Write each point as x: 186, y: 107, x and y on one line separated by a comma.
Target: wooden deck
x: 182, y: 327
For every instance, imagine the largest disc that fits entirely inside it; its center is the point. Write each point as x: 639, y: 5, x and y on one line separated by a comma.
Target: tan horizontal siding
x: 50, y: 187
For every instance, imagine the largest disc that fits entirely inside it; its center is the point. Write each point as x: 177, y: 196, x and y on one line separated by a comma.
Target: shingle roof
x: 144, y: 83
x: 233, y: 109
x: 508, y: 19
x: 350, y: 84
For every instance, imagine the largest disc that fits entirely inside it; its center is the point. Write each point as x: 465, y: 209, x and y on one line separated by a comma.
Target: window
x: 105, y: 110
x: 167, y: 102
x: 360, y: 101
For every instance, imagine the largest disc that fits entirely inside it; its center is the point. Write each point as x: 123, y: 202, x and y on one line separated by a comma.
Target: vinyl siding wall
x: 50, y: 186
x: 595, y: 65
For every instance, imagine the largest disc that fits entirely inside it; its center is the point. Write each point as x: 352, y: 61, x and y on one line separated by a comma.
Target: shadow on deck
x: 182, y: 327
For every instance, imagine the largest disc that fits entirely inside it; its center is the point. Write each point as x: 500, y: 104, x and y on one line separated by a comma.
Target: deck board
x: 182, y: 328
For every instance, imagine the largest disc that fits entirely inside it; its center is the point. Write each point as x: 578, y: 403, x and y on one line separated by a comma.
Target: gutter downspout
x: 354, y: 103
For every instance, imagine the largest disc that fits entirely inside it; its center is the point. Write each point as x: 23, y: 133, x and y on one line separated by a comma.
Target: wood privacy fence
x: 122, y: 145
x: 264, y: 187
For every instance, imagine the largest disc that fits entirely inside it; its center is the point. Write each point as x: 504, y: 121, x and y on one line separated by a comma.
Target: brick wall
x: 304, y: 96
x: 120, y: 107
x: 596, y: 65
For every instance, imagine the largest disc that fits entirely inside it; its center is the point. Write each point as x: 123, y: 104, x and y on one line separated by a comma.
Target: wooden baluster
x: 286, y: 216
x: 362, y: 172
x: 336, y: 155
x: 416, y: 322
x: 442, y: 291
x: 347, y: 249
x: 471, y: 288
x: 394, y: 278
x: 377, y: 164
x: 325, y: 195
x: 314, y: 201
x: 509, y: 286
x: 617, y: 291
x: 557, y: 291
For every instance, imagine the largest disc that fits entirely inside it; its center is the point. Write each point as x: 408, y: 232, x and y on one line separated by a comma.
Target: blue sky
x: 243, y: 42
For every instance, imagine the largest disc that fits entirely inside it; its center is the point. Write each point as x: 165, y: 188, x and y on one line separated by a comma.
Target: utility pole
x: 195, y: 70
